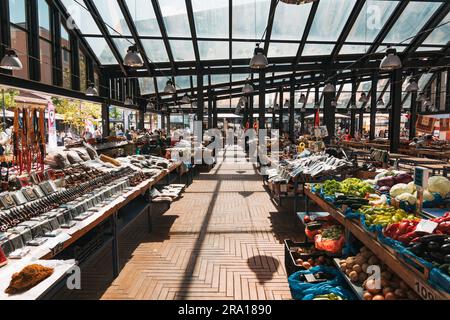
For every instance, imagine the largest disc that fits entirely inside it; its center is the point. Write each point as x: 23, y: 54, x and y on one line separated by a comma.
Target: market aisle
x: 222, y: 240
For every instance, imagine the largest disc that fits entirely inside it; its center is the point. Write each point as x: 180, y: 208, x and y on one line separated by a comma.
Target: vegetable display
x: 349, y: 187
x: 440, y: 185
x: 330, y: 296
x: 434, y: 248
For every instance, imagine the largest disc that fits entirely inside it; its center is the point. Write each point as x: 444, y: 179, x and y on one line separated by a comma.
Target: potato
x: 306, y: 265
x: 311, y: 261
x: 387, y: 290
x: 360, y: 260
x: 357, y: 268
x: 403, y: 285
x: 362, y: 277
x: 367, y: 296
x: 371, y: 286
x: 367, y: 254
x: 353, y: 275
x: 364, y: 249
x: 350, y: 261
x: 299, y: 262
x: 400, y: 293
x: 343, y: 266
x: 347, y: 272
x: 378, y: 297
x: 373, y: 261
x: 384, y: 283
x: 390, y: 296
x: 412, y: 295
x: 364, y: 267
x: 386, y: 275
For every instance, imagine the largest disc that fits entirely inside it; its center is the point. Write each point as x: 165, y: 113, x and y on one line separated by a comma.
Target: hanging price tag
x: 426, y: 226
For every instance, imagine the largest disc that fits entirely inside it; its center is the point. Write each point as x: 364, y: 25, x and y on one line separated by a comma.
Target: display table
x: 415, y: 279
x: 129, y: 205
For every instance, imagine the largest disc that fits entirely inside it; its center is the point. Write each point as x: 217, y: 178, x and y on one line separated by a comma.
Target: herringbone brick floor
x: 222, y: 240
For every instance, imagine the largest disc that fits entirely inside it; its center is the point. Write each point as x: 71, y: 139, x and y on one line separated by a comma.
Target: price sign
x: 426, y: 226
x: 423, y: 291
x: 421, y: 177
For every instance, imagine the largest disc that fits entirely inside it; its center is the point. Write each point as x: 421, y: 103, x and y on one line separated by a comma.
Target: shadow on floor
x: 264, y: 267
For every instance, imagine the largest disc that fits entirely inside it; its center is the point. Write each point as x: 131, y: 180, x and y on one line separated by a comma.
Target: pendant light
x: 132, y: 58
x: 303, y: 110
x: 363, y: 98
x: 91, y: 90
x: 186, y: 99
x: 391, y: 61
x: 329, y: 88
x: 170, y: 87
x: 302, y: 98
x: 333, y: 103
x: 286, y: 103
x: 380, y: 102
x: 269, y: 110
x: 259, y: 59
x: 276, y: 107
x: 412, y: 86
x: 238, y: 110
x: 11, y: 61
x: 248, y: 88
x: 128, y: 101
x: 150, y: 106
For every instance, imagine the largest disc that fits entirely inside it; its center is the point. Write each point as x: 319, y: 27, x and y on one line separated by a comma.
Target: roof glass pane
x: 211, y: 18
x: 182, y: 50
x: 440, y: 35
x: 112, y: 16
x: 211, y: 50
x: 155, y: 50
x: 371, y: 20
x: 364, y: 86
x: 175, y: 18
x: 384, y: 48
x: 280, y: 49
x: 290, y: 21
x: 241, y: 49
x: 250, y: 18
x: 353, y: 49
x: 424, y: 79
x: 144, y: 17
x: 161, y: 83
x: 411, y: 21
x: 146, y: 85
x: 317, y: 49
x: 220, y: 78
x: 428, y: 48
x: 44, y: 19
x: 239, y: 77
x: 330, y: 19
x: 81, y: 17
x: 183, y: 82
x: 101, y: 50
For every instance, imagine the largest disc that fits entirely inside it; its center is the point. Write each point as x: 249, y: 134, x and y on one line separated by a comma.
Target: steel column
x: 105, y: 120
x: 352, y: 109
x: 413, y: 117
x: 373, y: 106
x: 200, y: 98
x: 291, y: 110
x: 262, y: 100
x: 396, y: 98
x: 5, y: 32
x: 280, y: 112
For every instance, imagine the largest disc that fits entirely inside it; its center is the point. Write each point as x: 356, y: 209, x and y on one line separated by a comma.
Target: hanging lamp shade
x: 238, y: 110
x: 248, y: 88
x: 276, y: 107
x: 11, y: 61
x: 329, y: 88
x: 170, y: 87
x: 132, y: 58
x: 421, y: 97
x: 128, y: 101
x: 269, y: 110
x: 391, y: 61
x: 259, y: 59
x: 186, y: 99
x: 333, y: 103
x: 303, y: 110
x: 91, y: 90
x: 286, y: 103
x: 363, y: 98
x: 302, y: 98
x: 150, y: 106
x: 412, y: 86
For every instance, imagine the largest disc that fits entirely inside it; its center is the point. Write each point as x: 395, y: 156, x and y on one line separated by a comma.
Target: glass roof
x: 413, y: 18
x: 219, y: 35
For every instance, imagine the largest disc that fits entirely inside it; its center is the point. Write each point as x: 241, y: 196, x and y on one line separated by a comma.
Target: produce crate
x: 290, y: 255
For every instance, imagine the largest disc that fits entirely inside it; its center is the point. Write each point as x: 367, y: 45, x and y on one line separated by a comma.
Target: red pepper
x: 403, y: 227
x: 407, y: 237
x: 391, y: 230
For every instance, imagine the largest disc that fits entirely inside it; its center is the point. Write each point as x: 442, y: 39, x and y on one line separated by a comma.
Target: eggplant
x: 437, y: 256
x: 433, y: 246
x: 445, y: 248
x: 447, y: 258
x: 417, y: 249
x: 433, y: 237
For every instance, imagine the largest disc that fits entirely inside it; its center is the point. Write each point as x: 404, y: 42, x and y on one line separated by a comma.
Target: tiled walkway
x: 222, y: 240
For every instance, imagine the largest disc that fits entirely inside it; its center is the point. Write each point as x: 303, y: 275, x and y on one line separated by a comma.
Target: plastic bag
x: 307, y: 291
x: 439, y: 280
x: 328, y: 245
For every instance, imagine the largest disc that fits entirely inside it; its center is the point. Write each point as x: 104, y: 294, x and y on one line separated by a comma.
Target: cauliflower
x: 407, y: 197
x: 440, y: 185
x: 400, y: 188
x: 412, y: 186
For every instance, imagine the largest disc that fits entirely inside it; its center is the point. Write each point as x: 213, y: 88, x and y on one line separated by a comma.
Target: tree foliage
x: 76, y: 113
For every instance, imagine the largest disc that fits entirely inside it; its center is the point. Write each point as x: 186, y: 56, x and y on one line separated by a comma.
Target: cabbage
x: 427, y: 195
x: 407, y: 197
x: 412, y: 186
x: 440, y: 185
x: 400, y: 188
